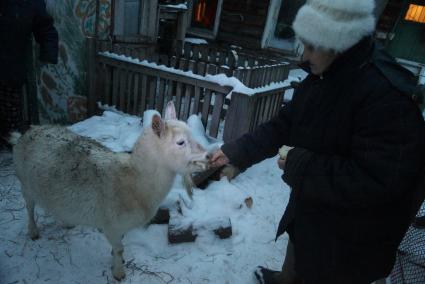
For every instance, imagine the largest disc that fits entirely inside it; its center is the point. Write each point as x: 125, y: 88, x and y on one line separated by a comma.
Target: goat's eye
x: 180, y: 142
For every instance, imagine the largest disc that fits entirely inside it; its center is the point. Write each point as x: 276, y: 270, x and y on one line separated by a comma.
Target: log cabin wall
x: 242, y: 22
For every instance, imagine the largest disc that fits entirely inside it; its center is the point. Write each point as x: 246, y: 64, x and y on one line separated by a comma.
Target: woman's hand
x: 281, y: 163
x: 218, y: 159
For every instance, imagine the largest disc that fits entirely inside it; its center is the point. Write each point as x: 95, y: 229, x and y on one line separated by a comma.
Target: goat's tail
x: 14, y: 138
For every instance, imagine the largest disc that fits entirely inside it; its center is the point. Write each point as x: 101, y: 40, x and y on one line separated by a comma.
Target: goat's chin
x: 198, y: 166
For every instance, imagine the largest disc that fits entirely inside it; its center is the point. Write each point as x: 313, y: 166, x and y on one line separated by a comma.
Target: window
x: 278, y: 32
x: 205, y: 17
x: 135, y: 20
x: 415, y: 13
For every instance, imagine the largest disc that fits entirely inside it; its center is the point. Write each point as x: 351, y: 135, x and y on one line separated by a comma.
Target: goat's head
x: 179, y: 150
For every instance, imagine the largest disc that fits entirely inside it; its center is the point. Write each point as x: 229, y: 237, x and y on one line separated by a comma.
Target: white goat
x: 80, y: 182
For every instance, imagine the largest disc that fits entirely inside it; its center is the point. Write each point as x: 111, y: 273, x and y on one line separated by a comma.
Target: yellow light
x: 415, y: 13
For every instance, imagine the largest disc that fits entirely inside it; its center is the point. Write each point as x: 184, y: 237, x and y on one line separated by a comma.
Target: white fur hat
x: 335, y: 24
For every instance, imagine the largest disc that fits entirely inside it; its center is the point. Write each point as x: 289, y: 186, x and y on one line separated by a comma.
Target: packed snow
x: 82, y: 254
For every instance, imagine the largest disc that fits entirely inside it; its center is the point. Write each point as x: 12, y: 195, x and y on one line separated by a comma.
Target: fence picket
x: 216, y: 114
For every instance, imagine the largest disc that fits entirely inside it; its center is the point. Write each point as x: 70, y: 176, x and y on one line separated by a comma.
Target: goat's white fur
x: 80, y: 182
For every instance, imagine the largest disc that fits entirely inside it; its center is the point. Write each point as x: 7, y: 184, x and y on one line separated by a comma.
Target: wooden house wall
x: 243, y: 22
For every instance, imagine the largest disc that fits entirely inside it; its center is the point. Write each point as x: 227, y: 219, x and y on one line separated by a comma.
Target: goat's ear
x: 158, y: 126
x: 170, y: 111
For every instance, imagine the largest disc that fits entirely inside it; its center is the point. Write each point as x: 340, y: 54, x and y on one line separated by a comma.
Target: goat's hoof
x: 118, y: 275
x: 34, y: 236
x: 118, y: 272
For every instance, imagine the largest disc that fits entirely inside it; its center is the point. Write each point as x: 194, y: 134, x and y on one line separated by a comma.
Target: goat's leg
x: 117, y: 251
x: 32, y: 226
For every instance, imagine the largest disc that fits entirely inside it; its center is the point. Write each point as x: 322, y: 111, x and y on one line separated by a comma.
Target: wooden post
x: 239, y: 116
x: 92, y: 95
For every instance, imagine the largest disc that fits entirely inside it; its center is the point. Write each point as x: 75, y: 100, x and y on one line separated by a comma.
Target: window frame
x: 200, y: 32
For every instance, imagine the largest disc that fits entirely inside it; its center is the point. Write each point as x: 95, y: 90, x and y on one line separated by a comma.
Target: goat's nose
x: 208, y: 156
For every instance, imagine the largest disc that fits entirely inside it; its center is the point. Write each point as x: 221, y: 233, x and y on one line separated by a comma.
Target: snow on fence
x: 252, y: 70
x: 133, y: 86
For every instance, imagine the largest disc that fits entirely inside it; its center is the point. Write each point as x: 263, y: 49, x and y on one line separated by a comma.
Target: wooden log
x: 162, y: 216
x: 223, y: 228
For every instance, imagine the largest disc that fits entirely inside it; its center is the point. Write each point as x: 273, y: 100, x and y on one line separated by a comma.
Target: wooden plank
x: 273, y: 106
x: 108, y: 82
x: 144, y: 93
x: 224, y: 70
x: 161, y: 95
x: 123, y: 89
x: 183, y: 63
x: 262, y: 110
x: 206, y: 107
x: 212, y: 69
x: 115, y: 85
x: 204, y: 54
x: 257, y: 114
x: 222, y: 57
x: 168, y: 91
x: 136, y: 93
x: 215, y: 121
x: 248, y: 77
x: 173, y: 62
x: 187, y: 102
x: 164, y: 60
x: 178, y: 103
x: 267, y: 108
x: 197, y: 99
x: 152, y: 91
x: 232, y: 62
x: 187, y: 50
x: 130, y: 95
x: 192, y: 66
x: 179, y: 48
x: 254, y: 77
x: 200, y: 70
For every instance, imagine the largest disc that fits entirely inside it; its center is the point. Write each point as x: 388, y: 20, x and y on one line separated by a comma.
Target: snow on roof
x: 195, y: 40
x: 178, y: 6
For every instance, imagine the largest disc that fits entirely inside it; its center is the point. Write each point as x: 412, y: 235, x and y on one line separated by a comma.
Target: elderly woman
x: 358, y: 154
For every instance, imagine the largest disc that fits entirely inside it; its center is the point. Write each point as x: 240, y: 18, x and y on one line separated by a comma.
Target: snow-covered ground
x: 82, y: 254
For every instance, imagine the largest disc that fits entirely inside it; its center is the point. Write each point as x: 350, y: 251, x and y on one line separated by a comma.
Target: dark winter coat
x: 19, y: 19
x: 359, y: 151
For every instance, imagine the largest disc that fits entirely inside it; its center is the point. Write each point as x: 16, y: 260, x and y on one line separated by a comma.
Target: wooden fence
x: 253, y: 71
x: 134, y: 86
